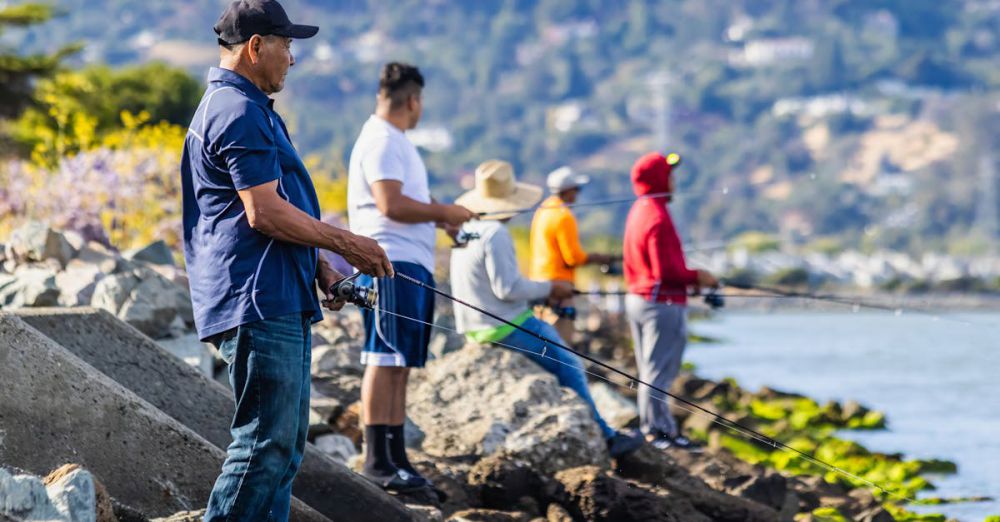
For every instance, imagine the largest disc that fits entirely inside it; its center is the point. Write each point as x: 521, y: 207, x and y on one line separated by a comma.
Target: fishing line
x: 715, y: 416
x: 724, y: 190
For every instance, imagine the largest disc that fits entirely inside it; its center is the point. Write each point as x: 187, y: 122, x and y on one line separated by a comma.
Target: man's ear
x: 253, y: 48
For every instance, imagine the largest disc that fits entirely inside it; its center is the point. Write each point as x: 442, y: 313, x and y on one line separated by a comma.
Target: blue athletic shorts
x: 399, y: 341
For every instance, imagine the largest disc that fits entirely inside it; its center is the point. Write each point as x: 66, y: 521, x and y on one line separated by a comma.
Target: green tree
x: 17, y: 73
x: 73, y: 109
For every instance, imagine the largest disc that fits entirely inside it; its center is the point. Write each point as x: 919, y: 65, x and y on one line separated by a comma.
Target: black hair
x: 399, y: 81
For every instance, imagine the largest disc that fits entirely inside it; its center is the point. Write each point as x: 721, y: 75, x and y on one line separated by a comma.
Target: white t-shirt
x: 383, y: 152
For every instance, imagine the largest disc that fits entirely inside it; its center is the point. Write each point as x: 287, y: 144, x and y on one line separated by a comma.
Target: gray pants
x: 659, y: 331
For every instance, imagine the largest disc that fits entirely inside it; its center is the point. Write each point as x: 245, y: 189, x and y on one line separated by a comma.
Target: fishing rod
x: 672, y: 158
x: 714, y: 299
x: 716, y: 417
x: 605, y: 202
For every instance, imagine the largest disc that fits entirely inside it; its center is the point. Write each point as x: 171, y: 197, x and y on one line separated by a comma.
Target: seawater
x: 936, y: 379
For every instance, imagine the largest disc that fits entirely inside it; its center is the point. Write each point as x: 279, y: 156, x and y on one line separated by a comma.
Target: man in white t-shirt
x: 388, y: 200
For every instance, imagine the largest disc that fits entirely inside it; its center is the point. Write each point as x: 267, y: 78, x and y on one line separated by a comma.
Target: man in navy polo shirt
x: 251, y: 240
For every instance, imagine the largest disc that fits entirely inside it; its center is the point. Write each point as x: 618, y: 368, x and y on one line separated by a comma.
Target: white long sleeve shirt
x: 485, y: 273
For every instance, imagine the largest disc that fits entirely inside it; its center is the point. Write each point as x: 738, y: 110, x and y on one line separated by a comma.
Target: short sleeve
x: 248, y: 148
x: 382, y: 162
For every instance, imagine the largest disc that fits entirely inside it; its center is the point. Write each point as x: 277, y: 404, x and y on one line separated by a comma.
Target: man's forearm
x: 408, y: 210
x: 287, y: 223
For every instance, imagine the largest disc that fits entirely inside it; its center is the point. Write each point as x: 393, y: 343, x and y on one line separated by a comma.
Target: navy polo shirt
x: 238, y: 275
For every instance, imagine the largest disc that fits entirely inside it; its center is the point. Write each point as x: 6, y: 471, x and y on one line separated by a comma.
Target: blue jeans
x: 566, y: 367
x: 269, y: 370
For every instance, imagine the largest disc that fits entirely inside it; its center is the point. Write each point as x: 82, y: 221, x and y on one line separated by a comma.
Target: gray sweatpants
x: 659, y: 331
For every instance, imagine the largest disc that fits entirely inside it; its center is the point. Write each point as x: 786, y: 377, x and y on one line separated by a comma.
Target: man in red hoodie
x: 656, y: 306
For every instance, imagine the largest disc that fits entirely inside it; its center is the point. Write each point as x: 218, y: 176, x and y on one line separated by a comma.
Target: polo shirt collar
x: 218, y: 74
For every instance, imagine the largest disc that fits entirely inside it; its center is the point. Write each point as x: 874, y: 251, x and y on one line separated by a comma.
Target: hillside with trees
x: 869, y: 124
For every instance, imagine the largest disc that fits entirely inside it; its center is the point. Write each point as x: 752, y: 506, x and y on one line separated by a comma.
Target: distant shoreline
x: 932, y: 303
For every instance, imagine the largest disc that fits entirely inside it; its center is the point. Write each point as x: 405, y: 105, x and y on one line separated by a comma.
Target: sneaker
x: 399, y: 482
x: 621, y: 444
x: 665, y: 442
x: 684, y: 443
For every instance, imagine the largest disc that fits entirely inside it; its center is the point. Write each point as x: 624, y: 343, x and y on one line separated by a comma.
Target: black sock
x: 397, y: 449
x: 377, y: 460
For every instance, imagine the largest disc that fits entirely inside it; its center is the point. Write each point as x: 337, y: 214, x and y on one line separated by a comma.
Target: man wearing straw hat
x: 485, y: 273
x: 555, y: 244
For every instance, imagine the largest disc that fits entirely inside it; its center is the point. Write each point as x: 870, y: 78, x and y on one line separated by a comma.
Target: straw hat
x: 497, y: 191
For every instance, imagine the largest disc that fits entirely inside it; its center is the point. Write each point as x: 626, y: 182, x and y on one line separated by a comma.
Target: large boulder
x: 144, y: 299
x: 35, y: 241
x: 29, y: 286
x: 661, y: 471
x: 483, y: 400
x: 24, y: 497
x: 156, y: 253
x: 192, y: 351
x: 619, y: 411
x: 77, y: 282
x: 203, y: 405
x: 596, y: 495
x: 724, y: 472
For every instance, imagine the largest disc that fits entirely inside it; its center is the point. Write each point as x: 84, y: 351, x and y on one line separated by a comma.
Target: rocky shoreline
x: 497, y: 435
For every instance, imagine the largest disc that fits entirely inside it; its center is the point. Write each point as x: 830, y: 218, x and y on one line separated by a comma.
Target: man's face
x: 569, y: 196
x: 274, y: 57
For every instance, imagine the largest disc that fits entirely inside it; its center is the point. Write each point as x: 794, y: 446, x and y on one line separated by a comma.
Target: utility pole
x: 987, y: 220
x: 659, y: 86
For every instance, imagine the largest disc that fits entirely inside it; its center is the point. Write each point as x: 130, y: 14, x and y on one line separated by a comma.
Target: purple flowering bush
x: 124, y: 192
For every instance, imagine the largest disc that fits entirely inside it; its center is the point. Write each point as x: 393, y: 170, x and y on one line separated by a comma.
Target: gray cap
x: 564, y: 178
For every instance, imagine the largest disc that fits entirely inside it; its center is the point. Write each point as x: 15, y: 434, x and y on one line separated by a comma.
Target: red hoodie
x: 654, y: 260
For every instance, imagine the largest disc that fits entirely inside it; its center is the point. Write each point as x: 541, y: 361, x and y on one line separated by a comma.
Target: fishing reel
x: 611, y: 269
x: 463, y: 237
x: 714, y: 299
x: 565, y: 312
x: 348, y: 291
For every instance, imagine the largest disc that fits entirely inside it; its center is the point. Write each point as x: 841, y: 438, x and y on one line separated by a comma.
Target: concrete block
x: 55, y: 408
x: 139, y: 364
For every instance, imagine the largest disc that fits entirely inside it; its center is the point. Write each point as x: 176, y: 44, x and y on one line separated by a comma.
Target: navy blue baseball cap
x: 245, y: 18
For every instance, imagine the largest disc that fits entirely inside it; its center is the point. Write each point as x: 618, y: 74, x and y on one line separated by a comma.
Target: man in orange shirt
x: 555, y: 244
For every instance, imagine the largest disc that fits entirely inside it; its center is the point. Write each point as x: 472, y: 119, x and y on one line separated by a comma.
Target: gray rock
x: 144, y: 299
x: 157, y: 253
x: 29, y: 286
x: 76, y: 284
x: 152, y: 305
x: 111, y: 292
x: 192, y: 351
x: 75, y: 240
x: 35, y: 241
x: 24, y: 497
x: 94, y: 253
x: 74, y: 496
x: 443, y: 343
x: 414, y: 435
x: 343, y: 357
x: 183, y: 516
x: 617, y: 410
x: 338, y: 447
x: 483, y: 400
